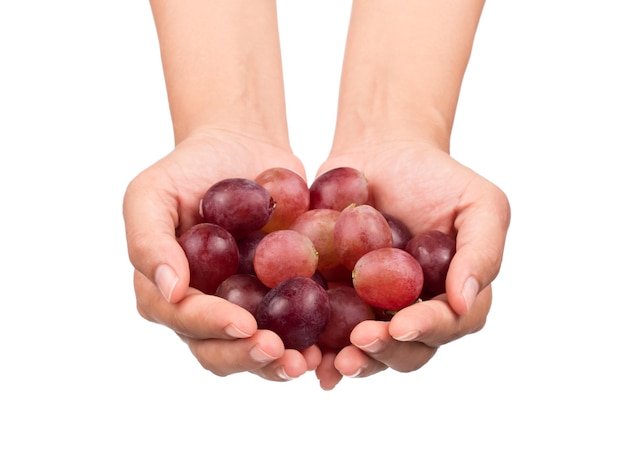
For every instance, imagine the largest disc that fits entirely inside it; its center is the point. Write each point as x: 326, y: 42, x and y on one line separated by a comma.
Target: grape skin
x: 284, y: 254
x: 240, y: 206
x: 339, y: 187
x: 434, y: 251
x: 289, y: 191
x: 297, y: 310
x: 347, y: 309
x: 388, y: 278
x: 212, y: 255
x: 244, y: 290
x: 319, y: 225
x: 358, y: 230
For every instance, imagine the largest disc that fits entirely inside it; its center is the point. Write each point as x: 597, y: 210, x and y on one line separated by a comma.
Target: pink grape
x: 388, y: 278
x: 434, y: 251
x: 240, y: 206
x: 212, y: 255
x: 297, y: 310
x: 339, y: 187
x: 291, y: 194
x: 319, y: 225
x: 358, y: 230
x: 347, y: 309
x: 284, y: 254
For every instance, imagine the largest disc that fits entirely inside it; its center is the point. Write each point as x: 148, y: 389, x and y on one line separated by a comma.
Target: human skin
x: 223, y: 72
x: 403, y: 68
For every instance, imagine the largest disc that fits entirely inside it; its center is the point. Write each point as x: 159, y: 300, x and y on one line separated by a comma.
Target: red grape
x: 212, y: 255
x: 244, y: 290
x: 347, y: 309
x: 339, y: 187
x: 283, y: 254
x: 358, y: 230
x: 400, y: 233
x: 388, y: 278
x: 240, y: 206
x: 289, y: 191
x: 434, y: 251
x: 247, y: 247
x: 297, y: 310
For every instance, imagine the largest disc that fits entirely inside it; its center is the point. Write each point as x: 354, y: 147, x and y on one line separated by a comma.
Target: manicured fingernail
x: 373, y: 346
x: 260, y: 355
x: 166, y: 279
x: 469, y: 292
x: 236, y: 333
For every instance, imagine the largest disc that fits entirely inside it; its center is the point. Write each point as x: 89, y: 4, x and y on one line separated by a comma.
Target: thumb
x: 150, y: 218
x: 481, y: 233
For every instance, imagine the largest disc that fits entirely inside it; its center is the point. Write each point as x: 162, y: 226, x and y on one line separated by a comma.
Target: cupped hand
x: 427, y: 189
x: 163, y: 201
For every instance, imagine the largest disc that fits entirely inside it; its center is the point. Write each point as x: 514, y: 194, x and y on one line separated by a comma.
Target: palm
x: 184, y: 176
x: 422, y: 186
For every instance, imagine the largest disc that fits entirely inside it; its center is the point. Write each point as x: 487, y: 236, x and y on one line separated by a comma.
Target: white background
x: 87, y: 383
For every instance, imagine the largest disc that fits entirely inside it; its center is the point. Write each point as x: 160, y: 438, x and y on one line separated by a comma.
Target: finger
x: 352, y: 362
x: 151, y: 218
x: 225, y: 357
x: 481, y: 227
x: 196, y: 316
x: 377, y: 349
x: 434, y: 323
x: 290, y: 365
x: 326, y: 372
x: 312, y: 357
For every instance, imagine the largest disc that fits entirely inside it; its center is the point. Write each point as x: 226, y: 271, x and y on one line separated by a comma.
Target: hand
x: 427, y: 189
x: 162, y: 202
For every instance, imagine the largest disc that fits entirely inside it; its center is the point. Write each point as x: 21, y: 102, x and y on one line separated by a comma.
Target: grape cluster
x: 310, y: 263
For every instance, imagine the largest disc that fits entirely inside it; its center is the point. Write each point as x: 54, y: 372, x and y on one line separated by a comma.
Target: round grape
x: 297, y: 310
x: 212, y: 255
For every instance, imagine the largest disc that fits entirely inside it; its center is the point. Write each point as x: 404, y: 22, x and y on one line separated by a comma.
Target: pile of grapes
x: 310, y: 263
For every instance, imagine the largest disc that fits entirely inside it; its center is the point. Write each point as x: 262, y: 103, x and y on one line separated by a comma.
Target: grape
x: 347, y: 309
x: 319, y: 278
x: 388, y: 278
x: 244, y: 290
x: 212, y: 255
x: 283, y: 254
x: 358, y: 230
x: 241, y: 206
x: 289, y: 191
x: 297, y: 310
x: 247, y: 247
x: 339, y: 187
x: 434, y: 251
x: 400, y: 233
x: 318, y: 225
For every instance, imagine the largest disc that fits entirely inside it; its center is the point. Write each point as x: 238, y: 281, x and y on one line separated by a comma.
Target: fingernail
x: 469, y: 292
x: 260, y: 355
x: 282, y: 374
x: 236, y: 333
x: 373, y: 346
x: 408, y: 337
x: 355, y: 374
x: 166, y: 279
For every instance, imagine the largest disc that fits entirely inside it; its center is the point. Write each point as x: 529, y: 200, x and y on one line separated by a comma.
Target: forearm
x: 222, y: 66
x: 403, y: 67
